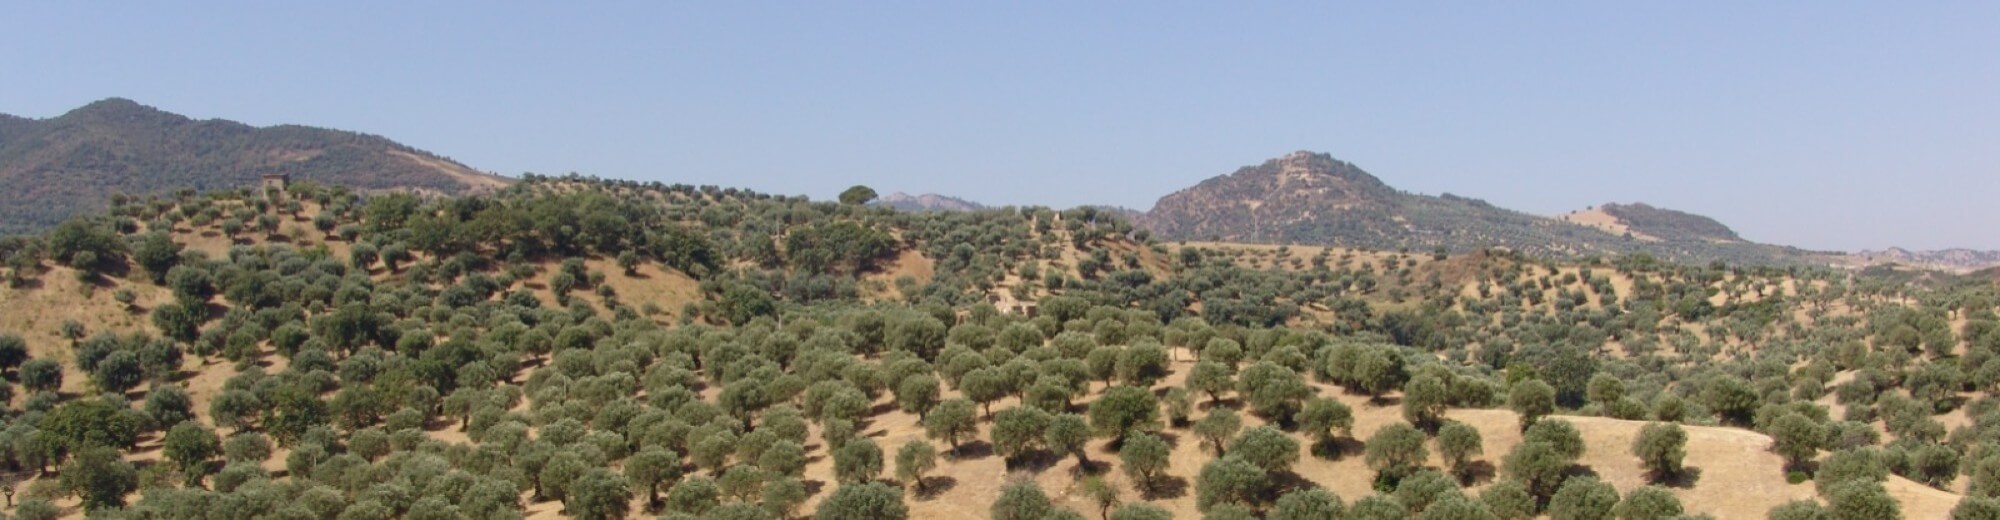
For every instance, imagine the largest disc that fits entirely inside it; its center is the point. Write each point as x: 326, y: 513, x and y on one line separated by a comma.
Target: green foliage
x: 1583, y: 498
x: 913, y: 460
x: 1459, y: 443
x: 1267, y: 448
x: 1532, y: 399
x: 1660, y: 448
x: 858, y: 461
x: 1229, y: 480
x: 1145, y: 457
x: 871, y: 501
x: 1396, y: 451
x: 100, y: 476
x: 1021, y: 501
x: 1307, y: 504
x: 1122, y: 411
x: 1649, y: 503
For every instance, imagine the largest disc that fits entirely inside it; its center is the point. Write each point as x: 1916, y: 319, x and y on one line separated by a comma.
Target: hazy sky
x: 1821, y: 124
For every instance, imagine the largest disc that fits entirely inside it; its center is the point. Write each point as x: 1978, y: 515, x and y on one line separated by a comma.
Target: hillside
x: 1957, y: 259
x: 574, y: 347
x: 1312, y: 199
x: 53, y: 168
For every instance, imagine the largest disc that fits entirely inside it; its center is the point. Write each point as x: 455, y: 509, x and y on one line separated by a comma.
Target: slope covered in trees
x: 53, y: 168
x: 599, y: 349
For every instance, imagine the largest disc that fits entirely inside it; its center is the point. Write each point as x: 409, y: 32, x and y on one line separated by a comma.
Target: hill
x: 54, y: 168
x: 1311, y: 198
x: 927, y: 202
x: 1957, y: 259
x: 603, y: 349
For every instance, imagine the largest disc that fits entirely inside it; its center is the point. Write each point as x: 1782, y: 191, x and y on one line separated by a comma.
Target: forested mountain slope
x: 53, y: 168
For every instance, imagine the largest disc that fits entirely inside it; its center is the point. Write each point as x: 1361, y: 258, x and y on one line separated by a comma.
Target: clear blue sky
x: 1836, y: 125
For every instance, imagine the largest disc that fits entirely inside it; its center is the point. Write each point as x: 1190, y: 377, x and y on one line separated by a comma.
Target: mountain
x: 1957, y: 259
x: 927, y: 202
x: 57, y: 167
x: 1312, y: 198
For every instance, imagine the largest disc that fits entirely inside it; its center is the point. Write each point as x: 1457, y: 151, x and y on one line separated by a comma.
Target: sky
x: 1827, y: 125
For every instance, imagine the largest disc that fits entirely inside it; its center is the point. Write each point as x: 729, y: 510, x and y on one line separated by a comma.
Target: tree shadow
x: 1579, y: 470
x: 1232, y: 403
x: 1683, y: 479
x: 932, y: 486
x: 1477, y: 472
x: 1337, y: 448
x: 972, y: 450
x: 813, y: 487
x: 1164, y: 487
x: 1035, y: 461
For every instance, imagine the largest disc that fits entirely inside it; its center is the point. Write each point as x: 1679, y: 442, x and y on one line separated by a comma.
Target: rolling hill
x: 57, y: 167
x: 1313, y: 199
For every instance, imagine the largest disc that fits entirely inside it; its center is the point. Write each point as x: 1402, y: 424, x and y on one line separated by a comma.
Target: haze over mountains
x: 56, y: 167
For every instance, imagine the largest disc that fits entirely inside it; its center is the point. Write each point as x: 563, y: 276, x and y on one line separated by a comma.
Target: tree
x: 783, y: 458
x: 1068, y: 434
x: 917, y: 394
x: 871, y: 501
x: 1218, y: 427
x: 1425, y: 400
x: 1142, y: 365
x: 1378, y: 507
x: 1378, y: 371
x: 984, y: 386
x: 1101, y: 493
x: 1731, y: 398
x: 694, y: 495
x: 1539, y: 466
x: 1583, y: 498
x: 1145, y: 456
x: 118, y: 372
x: 1273, y: 390
x: 1459, y: 443
x: 857, y: 195
x: 1660, y: 448
x: 1649, y: 503
x: 1796, y: 438
x: 913, y: 460
x: 1308, y: 504
x: 858, y: 461
x: 1229, y: 480
x: 1396, y: 451
x: 1018, y: 430
x: 1558, y: 433
x: 101, y: 477
x: 1975, y: 508
x: 952, y: 421
x: 650, y: 467
x: 178, y: 321
x: 1266, y: 447
x: 1323, y: 418
x: 1211, y: 378
x: 1123, y: 410
x: 1509, y: 500
x: 41, y: 375
x: 1532, y: 399
x: 1141, y: 511
x: 190, y: 446
x: 1860, y: 499
x: 14, y: 351
x: 598, y: 494
x: 92, y: 422
x: 157, y: 253
x: 1605, y: 389
x: 1022, y: 501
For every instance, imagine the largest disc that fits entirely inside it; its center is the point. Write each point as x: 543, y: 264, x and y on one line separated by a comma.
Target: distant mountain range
x: 1957, y: 259
x: 926, y: 202
x: 57, y: 167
